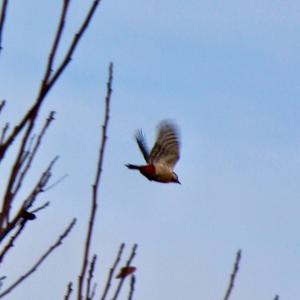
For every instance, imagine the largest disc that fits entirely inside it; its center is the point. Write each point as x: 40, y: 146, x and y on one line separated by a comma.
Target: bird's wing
x: 166, y: 147
x: 140, y: 139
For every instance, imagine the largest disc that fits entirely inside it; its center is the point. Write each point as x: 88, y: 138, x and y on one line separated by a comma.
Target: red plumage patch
x: 125, y: 271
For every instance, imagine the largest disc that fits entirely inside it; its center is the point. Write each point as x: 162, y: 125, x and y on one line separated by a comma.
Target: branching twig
x: 30, y: 199
x: 133, y: 253
x: 69, y: 291
x: 22, y: 224
x: 55, y: 44
x: 47, y: 81
x: 95, y: 186
x: 111, y: 272
x: 233, y: 275
x: 132, y: 282
x: 74, y: 43
x: 40, y: 260
x: 2, y: 20
x: 31, y: 155
x: 12, y: 240
x: 55, y: 183
x: 90, y: 277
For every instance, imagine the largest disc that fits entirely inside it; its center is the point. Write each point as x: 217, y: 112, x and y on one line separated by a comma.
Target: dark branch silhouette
x: 95, y: 186
x: 48, y: 81
x: 88, y: 293
x: 69, y: 291
x: 29, y: 201
x: 40, y: 260
x: 2, y: 20
x: 132, y: 283
x: 233, y: 275
x: 133, y: 253
x: 112, y: 271
x: 2, y: 104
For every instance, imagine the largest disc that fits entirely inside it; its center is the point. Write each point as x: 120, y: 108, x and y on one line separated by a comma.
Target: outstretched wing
x: 140, y: 139
x: 166, y: 147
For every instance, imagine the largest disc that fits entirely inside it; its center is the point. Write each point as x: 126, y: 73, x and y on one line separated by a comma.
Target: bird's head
x: 175, y: 178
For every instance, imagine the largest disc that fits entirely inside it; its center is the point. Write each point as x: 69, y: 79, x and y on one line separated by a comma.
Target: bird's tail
x: 132, y: 167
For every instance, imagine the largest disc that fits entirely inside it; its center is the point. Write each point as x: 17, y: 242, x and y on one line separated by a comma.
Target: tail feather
x: 132, y: 167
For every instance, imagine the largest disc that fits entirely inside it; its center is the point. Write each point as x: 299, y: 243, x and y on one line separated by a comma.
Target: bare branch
x: 132, y: 282
x: 69, y: 291
x: 41, y: 207
x: 55, y: 44
x: 3, y: 133
x: 31, y: 155
x: 2, y: 278
x: 55, y: 183
x: 90, y: 277
x: 2, y: 20
x: 74, y: 43
x: 233, y: 275
x: 3, y: 102
x: 12, y: 240
x: 22, y: 224
x: 93, y: 291
x: 40, y: 260
x: 95, y: 186
x: 47, y: 82
x: 39, y: 188
x: 111, y: 272
x: 133, y: 253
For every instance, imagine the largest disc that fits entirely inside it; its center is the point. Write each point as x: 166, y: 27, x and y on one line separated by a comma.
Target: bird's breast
x: 148, y: 171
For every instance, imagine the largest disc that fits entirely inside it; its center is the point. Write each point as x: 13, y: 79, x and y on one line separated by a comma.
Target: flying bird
x: 164, y: 155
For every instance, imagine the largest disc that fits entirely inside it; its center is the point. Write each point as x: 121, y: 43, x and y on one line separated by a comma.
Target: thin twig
x: 74, y: 43
x: 40, y: 260
x: 133, y: 253
x: 55, y: 183
x: 22, y: 224
x: 93, y: 291
x: 56, y: 41
x: 132, y: 282
x: 95, y: 186
x: 233, y: 275
x: 32, y: 154
x: 3, y: 102
x: 27, y: 203
x: 45, y: 205
x: 2, y: 20
x: 90, y: 277
x: 12, y: 240
x: 69, y: 291
x: 47, y: 82
x: 2, y: 278
x: 111, y: 272
x: 3, y: 133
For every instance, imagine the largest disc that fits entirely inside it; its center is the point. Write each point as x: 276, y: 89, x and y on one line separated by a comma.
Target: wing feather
x: 140, y: 139
x: 166, y: 148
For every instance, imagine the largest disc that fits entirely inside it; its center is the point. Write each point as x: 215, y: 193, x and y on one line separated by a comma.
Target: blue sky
x: 228, y: 73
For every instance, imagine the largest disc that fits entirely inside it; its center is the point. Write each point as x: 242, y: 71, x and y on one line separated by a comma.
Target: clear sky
x: 228, y: 73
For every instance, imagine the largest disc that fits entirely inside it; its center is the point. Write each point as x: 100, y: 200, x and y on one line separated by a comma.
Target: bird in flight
x: 164, y: 155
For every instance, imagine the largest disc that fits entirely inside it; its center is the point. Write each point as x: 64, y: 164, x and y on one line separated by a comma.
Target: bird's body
x: 163, y: 156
